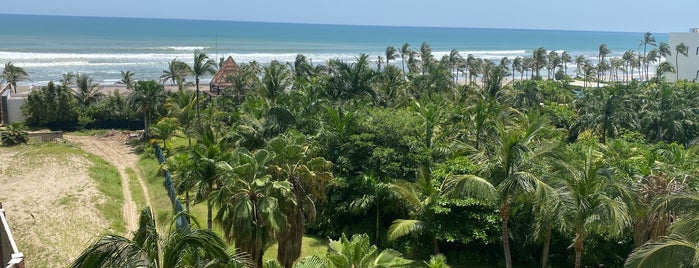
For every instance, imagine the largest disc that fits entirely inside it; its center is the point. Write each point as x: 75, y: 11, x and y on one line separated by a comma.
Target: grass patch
x: 109, y: 183
x: 311, y: 245
x: 149, y: 169
x: 136, y: 191
x: 67, y: 200
x: 91, y: 132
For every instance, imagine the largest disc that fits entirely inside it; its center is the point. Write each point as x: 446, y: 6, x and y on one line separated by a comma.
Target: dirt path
x: 114, y: 150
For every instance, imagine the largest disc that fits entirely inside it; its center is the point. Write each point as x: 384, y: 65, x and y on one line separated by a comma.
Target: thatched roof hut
x: 220, y: 81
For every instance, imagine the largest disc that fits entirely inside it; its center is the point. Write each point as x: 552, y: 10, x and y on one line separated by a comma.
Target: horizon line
x: 327, y: 24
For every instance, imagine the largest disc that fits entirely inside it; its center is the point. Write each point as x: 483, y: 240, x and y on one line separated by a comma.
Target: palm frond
x: 400, y: 228
x: 460, y: 186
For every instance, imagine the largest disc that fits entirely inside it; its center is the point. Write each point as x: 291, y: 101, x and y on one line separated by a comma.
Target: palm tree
x: 308, y: 176
x: 359, y: 252
x: 188, y: 247
x: 566, y: 58
x: 128, y: 79
x: 391, y: 54
x: 13, y: 74
x: 352, y: 79
x: 404, y: 51
x: 554, y: 62
x: 202, y: 66
x: 647, y: 40
x: 663, y: 68
x: 250, y: 203
x: 603, y: 52
x: 67, y: 79
x: 181, y: 106
x: 276, y: 79
x: 207, y: 156
x: 426, y: 57
x: 580, y: 63
x: 593, y: 200
x: 681, y: 48
x: 176, y: 72
x: 454, y: 61
x: 517, y: 65
x: 628, y: 58
x: 540, y: 60
x: 679, y: 248
x: 88, y: 92
x: 510, y: 166
x: 665, y: 50
x: 146, y: 97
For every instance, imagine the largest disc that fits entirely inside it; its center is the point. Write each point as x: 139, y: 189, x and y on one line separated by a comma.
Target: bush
x: 14, y: 135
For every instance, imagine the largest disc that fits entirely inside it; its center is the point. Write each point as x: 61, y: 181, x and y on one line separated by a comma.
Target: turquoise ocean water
x: 49, y: 46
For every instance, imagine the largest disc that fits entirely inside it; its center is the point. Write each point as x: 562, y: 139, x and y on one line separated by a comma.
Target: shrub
x: 14, y: 135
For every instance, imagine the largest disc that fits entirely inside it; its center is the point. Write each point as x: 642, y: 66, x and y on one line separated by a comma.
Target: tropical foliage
x: 474, y: 161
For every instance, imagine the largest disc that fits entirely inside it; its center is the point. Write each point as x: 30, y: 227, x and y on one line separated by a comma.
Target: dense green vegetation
x: 487, y: 173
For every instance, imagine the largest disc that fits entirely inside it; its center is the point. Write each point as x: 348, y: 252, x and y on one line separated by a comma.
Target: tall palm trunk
x: 505, y: 215
x: 547, y: 245
x: 208, y: 214
x: 677, y: 68
x: 197, y: 100
x: 290, y: 240
x: 377, y: 222
x: 578, y: 245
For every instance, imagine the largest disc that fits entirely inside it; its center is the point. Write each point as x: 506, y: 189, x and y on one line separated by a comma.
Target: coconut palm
x: 665, y: 50
x: 391, y: 54
x: 202, y: 66
x: 13, y: 74
x: 566, y: 58
x: 88, y: 92
x: 509, y: 165
x: 128, y: 79
x: 679, y: 248
x: 207, y: 155
x: 276, y: 79
x: 518, y: 65
x: 540, y: 60
x: 593, y: 201
x: 455, y: 60
x: 376, y: 195
x: 682, y: 49
x: 180, y: 105
x: 146, y: 97
x: 628, y: 58
x: 352, y: 79
x: 249, y: 203
x: 663, y: 68
x: 647, y: 40
x: 67, y: 79
x: 554, y: 61
x: 404, y: 51
x: 580, y: 63
x: 176, y: 72
x: 602, y: 53
x: 188, y: 247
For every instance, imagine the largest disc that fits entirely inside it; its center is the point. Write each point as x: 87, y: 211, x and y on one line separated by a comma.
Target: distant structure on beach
x: 687, y: 67
x: 220, y: 80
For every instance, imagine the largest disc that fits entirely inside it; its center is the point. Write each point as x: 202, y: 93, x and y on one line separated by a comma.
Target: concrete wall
x: 688, y: 66
x: 46, y: 135
x: 11, y: 107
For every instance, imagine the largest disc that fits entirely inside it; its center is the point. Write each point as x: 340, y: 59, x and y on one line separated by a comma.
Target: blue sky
x: 606, y: 15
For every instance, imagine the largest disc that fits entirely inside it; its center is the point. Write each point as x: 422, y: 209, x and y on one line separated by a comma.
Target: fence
x: 10, y: 256
x: 181, y: 220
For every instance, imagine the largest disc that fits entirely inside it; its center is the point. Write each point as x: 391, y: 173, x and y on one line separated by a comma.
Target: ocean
x: 49, y: 46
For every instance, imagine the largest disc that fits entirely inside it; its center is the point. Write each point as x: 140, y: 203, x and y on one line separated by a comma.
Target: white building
x: 688, y: 66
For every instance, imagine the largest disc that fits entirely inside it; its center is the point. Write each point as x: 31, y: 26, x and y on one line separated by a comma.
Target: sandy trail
x: 49, y: 201
x: 114, y: 150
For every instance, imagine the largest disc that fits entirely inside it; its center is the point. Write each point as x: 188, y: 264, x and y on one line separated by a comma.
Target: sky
x: 587, y: 15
